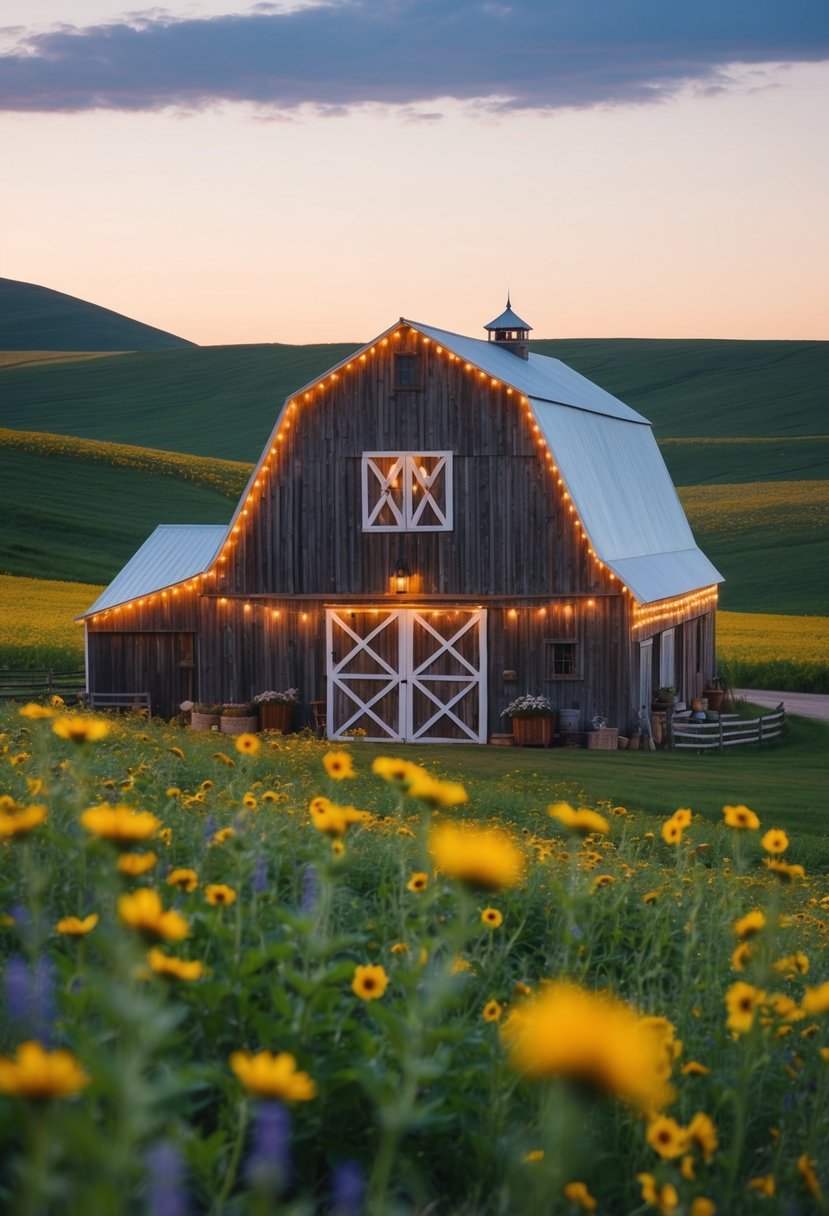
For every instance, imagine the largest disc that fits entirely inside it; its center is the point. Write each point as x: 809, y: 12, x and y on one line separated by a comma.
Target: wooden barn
x: 435, y: 526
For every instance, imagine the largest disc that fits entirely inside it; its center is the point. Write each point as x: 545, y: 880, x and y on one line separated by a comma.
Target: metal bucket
x: 569, y: 720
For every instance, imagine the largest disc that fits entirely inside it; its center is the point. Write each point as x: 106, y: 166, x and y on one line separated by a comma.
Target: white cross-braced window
x: 407, y: 491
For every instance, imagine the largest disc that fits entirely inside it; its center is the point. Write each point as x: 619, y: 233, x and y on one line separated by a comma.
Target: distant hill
x: 223, y: 400
x: 37, y: 318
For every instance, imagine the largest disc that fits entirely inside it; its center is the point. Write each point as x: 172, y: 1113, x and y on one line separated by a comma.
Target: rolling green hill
x: 223, y: 400
x: 735, y: 420
x: 37, y: 318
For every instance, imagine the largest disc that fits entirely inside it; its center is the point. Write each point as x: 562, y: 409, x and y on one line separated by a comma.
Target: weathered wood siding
x: 512, y: 534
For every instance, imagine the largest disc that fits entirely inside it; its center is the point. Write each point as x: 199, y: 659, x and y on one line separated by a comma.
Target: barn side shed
x: 436, y: 525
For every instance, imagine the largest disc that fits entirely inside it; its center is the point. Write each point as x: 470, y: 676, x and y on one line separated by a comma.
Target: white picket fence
x: 729, y: 731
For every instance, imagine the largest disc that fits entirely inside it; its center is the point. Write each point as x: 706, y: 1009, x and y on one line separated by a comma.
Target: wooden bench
x: 135, y: 701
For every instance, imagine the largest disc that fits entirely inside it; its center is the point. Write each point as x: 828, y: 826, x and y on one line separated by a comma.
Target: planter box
x: 534, y: 732
x: 239, y: 726
x: 605, y: 740
x: 501, y: 739
x: 204, y: 721
x: 276, y: 715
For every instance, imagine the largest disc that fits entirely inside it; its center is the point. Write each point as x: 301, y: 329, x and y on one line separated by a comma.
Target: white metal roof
x: 538, y: 376
x: 172, y: 554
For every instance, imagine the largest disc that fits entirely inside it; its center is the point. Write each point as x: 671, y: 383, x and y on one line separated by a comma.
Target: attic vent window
x: 407, y: 491
x: 406, y: 372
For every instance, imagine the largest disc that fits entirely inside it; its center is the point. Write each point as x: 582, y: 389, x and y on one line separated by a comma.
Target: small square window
x: 406, y: 372
x: 562, y: 661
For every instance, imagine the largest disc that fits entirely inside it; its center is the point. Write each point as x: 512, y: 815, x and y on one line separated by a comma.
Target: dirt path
x: 810, y: 704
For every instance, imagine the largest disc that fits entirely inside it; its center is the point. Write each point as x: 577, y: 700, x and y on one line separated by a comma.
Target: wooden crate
x: 604, y: 740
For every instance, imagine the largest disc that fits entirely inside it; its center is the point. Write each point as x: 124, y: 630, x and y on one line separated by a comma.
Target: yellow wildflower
x: 702, y: 1133
x: 664, y: 1198
x: 80, y: 729
x: 33, y: 711
x: 248, y: 745
x: 175, y: 968
x: 183, y: 878
x: 775, y: 841
x: 578, y: 1193
x: 763, y: 1185
x: 692, y: 1068
x: 72, y: 926
x: 332, y: 819
x: 592, y: 1038
x: 121, y: 824
x: 666, y: 1137
x: 816, y: 1000
x: 702, y: 1206
x: 218, y: 894
x: 370, y: 982
x: 783, y: 870
x: 492, y: 1011
x: 135, y: 864
x: 339, y: 765
x: 436, y: 793
x: 483, y: 858
x: 273, y: 1076
x: 672, y: 832
x: 143, y: 911
x: 36, y: 1073
x: 741, y: 1001
x: 21, y: 820
x: 582, y: 822
x: 740, y: 817
x: 793, y: 964
x: 750, y: 924
x: 492, y: 918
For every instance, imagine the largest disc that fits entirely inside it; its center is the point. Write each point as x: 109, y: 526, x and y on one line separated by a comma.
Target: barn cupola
x: 511, y: 332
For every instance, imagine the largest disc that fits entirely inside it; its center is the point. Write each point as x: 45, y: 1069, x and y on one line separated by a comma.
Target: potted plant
x: 276, y: 709
x: 239, y: 718
x: 205, y: 716
x: 666, y: 695
x: 533, y: 720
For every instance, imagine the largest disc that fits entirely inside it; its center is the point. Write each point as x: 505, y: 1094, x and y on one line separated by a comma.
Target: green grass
x: 694, y: 462
x: 68, y: 520
x: 38, y: 318
x: 212, y: 401
x: 510, y: 780
x: 709, y: 388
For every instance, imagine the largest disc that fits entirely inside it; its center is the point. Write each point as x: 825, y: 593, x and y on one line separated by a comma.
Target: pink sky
x: 700, y: 214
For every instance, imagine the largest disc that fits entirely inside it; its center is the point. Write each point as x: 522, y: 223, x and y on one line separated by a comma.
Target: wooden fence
x: 729, y: 731
x: 31, y: 685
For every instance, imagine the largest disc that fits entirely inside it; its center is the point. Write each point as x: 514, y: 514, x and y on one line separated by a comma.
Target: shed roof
x: 172, y: 554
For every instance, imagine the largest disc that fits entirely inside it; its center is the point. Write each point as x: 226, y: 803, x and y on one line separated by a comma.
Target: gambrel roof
x: 606, y: 454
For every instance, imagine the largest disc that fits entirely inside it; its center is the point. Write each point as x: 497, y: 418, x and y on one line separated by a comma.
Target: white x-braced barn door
x: 407, y: 674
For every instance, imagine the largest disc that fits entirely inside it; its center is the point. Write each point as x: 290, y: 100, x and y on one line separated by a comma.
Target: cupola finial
x: 510, y: 331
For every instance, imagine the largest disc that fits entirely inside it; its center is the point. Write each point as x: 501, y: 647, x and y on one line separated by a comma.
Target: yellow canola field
x: 37, y: 621
x: 228, y: 477
x: 768, y: 506
x: 753, y: 637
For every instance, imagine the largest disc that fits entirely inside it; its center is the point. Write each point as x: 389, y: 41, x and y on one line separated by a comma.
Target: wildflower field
x: 762, y: 651
x: 37, y: 622
x: 262, y: 975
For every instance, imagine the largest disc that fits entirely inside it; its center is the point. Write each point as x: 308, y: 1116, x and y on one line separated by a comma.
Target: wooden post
x: 721, y: 745
x: 760, y: 729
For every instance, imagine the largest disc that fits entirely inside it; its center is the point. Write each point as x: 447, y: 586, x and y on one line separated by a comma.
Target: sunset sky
x: 305, y: 172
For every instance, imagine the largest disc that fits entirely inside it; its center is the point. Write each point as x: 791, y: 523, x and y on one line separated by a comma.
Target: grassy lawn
x: 786, y: 784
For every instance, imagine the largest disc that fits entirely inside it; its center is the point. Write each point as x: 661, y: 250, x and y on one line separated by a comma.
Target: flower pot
x: 534, y: 732
x: 276, y: 715
x: 204, y: 721
x: 714, y: 697
x: 239, y: 726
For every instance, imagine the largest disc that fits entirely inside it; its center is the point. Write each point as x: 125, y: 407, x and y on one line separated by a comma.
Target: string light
x: 695, y: 603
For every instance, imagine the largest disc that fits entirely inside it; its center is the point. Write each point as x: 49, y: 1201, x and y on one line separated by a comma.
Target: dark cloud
x: 527, y: 54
